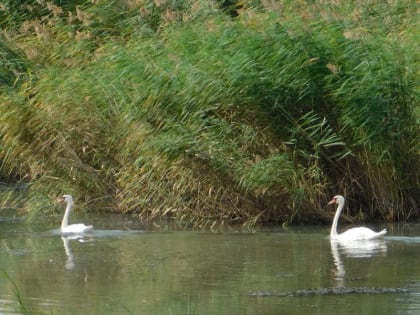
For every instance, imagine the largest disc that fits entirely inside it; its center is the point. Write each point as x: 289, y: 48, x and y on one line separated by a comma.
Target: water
x: 123, y: 268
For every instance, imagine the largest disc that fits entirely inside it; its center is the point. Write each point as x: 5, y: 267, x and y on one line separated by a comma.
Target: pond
x: 124, y: 268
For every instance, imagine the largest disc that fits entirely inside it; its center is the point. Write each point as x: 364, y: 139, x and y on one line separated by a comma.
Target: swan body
x: 72, y: 228
x: 358, y: 233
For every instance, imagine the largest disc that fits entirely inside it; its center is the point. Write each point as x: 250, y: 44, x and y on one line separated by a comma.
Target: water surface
x: 124, y: 268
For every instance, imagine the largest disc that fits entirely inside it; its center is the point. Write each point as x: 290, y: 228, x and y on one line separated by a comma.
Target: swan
x: 358, y: 233
x: 72, y: 228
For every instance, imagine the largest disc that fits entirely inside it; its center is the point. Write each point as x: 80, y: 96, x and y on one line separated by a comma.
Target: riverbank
x: 184, y: 111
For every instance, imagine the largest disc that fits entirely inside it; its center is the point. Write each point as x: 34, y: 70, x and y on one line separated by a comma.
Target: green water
x: 123, y: 268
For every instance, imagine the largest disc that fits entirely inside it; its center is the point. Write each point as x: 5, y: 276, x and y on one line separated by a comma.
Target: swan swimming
x: 358, y: 233
x: 72, y: 228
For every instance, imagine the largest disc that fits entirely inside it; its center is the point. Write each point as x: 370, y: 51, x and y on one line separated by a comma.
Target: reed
x: 23, y: 308
x: 183, y: 111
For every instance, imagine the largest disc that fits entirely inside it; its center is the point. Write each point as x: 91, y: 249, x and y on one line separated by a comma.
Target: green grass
x: 183, y: 111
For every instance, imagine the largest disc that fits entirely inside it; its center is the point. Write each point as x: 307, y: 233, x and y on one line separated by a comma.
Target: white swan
x: 359, y: 233
x: 72, y: 228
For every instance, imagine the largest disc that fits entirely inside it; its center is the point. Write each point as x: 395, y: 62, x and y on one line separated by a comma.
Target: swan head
x: 65, y: 198
x: 337, y: 199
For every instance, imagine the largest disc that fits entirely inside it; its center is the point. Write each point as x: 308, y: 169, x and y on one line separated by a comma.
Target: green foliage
x: 14, y: 14
x: 176, y: 109
x: 12, y: 66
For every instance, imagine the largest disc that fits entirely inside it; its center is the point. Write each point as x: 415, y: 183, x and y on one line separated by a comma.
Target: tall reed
x: 183, y: 111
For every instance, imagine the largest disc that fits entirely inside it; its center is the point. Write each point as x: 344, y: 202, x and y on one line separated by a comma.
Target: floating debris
x: 332, y: 291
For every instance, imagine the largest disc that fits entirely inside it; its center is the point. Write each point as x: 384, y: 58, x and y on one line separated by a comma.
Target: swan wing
x: 360, y: 233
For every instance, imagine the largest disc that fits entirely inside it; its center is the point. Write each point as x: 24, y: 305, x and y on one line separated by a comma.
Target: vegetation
x: 19, y: 298
x: 212, y: 111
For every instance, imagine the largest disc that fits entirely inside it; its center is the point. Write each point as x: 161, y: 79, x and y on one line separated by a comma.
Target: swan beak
x: 332, y: 201
x: 60, y: 199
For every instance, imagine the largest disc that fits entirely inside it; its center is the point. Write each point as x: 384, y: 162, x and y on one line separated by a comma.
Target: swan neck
x: 65, y: 221
x: 335, y: 221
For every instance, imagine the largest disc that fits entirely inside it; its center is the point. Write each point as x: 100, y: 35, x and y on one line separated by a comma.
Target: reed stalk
x: 181, y: 110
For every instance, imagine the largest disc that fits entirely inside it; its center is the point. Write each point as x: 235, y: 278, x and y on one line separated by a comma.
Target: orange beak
x: 332, y: 201
x: 60, y: 199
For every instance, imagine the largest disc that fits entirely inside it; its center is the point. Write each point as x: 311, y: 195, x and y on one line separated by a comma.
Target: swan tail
x: 383, y: 232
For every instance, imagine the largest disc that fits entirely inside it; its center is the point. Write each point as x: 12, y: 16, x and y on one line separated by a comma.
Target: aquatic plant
x: 22, y: 305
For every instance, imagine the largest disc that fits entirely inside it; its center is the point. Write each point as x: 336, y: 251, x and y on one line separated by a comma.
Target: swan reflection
x: 70, y: 259
x: 354, y: 249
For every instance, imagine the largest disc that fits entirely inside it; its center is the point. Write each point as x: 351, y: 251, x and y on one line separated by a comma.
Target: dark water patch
x: 332, y: 291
